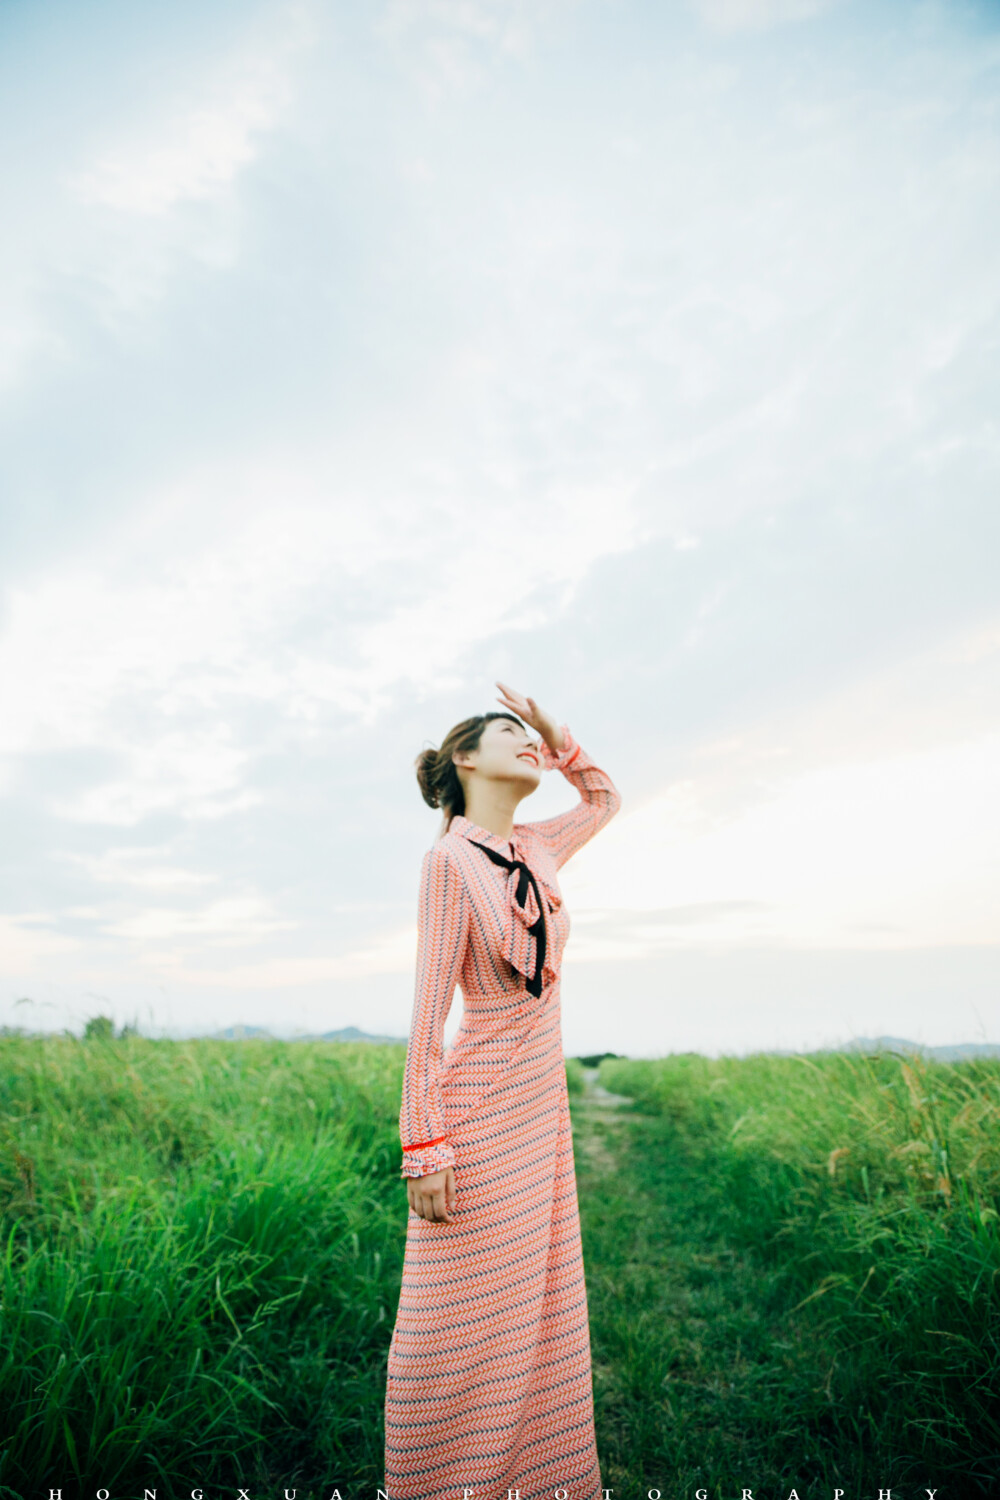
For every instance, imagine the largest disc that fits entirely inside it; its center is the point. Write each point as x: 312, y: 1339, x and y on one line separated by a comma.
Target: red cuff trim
x: 420, y: 1144
x: 572, y: 758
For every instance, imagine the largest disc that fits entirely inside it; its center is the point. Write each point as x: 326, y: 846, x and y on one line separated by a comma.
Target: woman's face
x: 507, y: 752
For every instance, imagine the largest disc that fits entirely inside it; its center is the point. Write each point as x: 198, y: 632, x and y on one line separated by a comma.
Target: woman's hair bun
x: 427, y: 771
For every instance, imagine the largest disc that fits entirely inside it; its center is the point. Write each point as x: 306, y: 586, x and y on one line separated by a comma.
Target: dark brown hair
x: 437, y: 773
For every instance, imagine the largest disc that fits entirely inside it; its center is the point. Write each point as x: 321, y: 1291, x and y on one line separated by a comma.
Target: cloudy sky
x: 644, y: 355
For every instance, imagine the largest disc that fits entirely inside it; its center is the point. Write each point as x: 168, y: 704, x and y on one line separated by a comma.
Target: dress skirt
x: 489, y: 1374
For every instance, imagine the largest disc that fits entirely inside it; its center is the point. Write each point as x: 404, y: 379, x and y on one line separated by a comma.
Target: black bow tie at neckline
x: 525, y: 881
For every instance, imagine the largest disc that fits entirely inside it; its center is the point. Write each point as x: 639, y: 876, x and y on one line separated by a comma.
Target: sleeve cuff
x: 422, y: 1160
x: 566, y: 756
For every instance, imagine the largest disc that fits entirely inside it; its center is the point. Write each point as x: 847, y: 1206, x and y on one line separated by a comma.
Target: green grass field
x: 792, y: 1267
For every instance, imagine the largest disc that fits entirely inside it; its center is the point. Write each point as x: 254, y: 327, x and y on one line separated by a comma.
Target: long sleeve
x: 600, y: 800
x: 442, y: 931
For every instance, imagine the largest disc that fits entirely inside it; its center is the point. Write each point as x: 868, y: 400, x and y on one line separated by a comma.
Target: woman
x: 488, y: 1383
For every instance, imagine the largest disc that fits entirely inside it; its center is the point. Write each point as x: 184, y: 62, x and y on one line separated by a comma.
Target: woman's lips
x: 528, y: 755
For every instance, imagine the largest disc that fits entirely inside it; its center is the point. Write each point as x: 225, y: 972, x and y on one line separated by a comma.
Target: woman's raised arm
x: 600, y: 799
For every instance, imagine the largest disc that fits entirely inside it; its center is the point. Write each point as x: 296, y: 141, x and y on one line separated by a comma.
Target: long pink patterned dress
x: 489, y: 1384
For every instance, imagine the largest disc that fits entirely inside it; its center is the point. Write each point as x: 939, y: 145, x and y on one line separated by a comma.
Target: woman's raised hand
x: 433, y: 1196
x: 528, y: 710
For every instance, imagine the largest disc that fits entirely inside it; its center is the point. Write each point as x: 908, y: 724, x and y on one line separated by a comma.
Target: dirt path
x: 597, y: 1120
x: 700, y: 1378
x: 599, y: 1097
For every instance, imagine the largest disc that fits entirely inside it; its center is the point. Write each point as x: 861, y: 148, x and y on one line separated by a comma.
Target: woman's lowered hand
x: 433, y: 1196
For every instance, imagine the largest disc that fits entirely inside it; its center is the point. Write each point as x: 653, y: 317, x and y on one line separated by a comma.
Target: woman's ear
x: 464, y: 759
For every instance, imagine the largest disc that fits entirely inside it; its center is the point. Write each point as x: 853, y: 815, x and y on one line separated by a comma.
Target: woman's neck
x: 492, y: 806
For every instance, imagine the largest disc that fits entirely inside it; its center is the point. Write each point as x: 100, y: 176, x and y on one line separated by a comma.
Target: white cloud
x: 394, y: 952
x: 758, y: 15
x: 111, y: 213
x: 76, y: 650
x: 195, y: 775
x: 200, y: 144
x: 897, y: 852
x: 232, y: 920
x: 150, y: 672
x: 447, y: 45
x: 133, y: 867
x: 28, y: 944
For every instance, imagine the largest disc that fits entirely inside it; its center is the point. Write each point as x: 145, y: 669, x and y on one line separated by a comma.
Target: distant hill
x: 238, y: 1034
x: 951, y: 1052
x: 352, y: 1034
x: 345, y: 1034
x: 955, y: 1052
